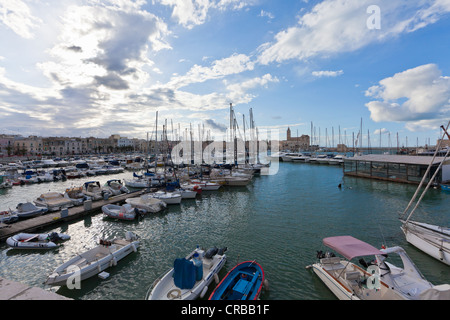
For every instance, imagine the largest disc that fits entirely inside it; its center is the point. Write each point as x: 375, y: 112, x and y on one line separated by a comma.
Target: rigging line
x: 425, y: 175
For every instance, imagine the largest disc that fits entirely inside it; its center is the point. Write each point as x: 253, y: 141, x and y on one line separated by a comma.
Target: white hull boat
x: 186, y: 280
x: 167, y: 197
x: 206, y: 186
x: 186, y: 194
x: 115, y: 187
x: 125, y: 212
x: 378, y: 280
x: 431, y: 239
x: 29, y: 210
x: 95, y: 260
x: 53, y: 201
x: 93, y: 190
x: 36, y: 241
x: 147, y: 203
x: 76, y: 195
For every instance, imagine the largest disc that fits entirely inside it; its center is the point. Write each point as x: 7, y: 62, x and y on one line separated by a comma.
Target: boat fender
x: 266, y: 285
x: 113, y: 262
x: 216, y: 278
x: 202, y: 294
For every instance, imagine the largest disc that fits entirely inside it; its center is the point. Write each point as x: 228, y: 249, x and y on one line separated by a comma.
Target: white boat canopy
x: 351, y: 247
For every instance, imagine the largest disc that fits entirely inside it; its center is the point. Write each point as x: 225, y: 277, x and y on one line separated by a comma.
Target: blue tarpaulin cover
x: 184, y: 273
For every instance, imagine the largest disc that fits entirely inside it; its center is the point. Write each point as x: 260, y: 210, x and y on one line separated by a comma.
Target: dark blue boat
x: 243, y: 282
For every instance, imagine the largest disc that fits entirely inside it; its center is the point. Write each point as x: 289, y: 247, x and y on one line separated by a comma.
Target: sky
x: 328, y: 68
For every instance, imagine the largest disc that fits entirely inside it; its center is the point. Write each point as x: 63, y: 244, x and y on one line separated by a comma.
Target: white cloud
x: 190, y: 13
x: 17, y: 16
x: 234, y: 64
x: 417, y: 95
x: 327, y: 73
x: 335, y: 26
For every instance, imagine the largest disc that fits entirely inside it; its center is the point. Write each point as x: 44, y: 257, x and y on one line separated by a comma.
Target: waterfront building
x: 32, y: 145
x: 397, y: 168
x: 294, y: 143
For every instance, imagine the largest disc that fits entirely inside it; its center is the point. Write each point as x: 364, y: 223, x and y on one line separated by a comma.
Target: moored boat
x: 124, y: 212
x: 36, y: 241
x: 190, y: 276
x: 53, y: 201
x: 147, y: 203
x: 95, y: 260
x: 380, y: 280
x: 29, y: 210
x: 244, y: 282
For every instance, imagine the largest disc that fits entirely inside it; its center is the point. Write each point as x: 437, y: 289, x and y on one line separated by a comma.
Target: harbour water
x: 278, y: 220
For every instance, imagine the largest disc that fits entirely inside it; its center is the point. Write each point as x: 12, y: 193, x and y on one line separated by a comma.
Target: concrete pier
x: 10, y: 290
x: 52, y: 219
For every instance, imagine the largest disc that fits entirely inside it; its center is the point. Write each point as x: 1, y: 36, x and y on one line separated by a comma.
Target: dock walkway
x: 54, y: 218
x: 11, y: 290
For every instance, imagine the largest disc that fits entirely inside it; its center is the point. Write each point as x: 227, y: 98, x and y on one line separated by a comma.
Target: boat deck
x: 52, y: 219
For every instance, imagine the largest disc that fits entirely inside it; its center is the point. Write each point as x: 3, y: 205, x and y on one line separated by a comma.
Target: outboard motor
x: 211, y: 252
x: 222, y: 251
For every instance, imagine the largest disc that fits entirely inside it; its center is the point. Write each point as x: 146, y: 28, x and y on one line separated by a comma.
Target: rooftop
x: 403, y: 159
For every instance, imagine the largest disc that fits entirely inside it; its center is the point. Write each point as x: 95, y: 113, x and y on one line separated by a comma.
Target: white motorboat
x: 124, y: 212
x: 236, y: 181
x: 190, y: 276
x: 206, y: 185
x: 29, y: 210
x: 95, y: 260
x: 93, y: 190
x: 186, y: 193
x: 36, y: 241
x: 53, y: 201
x: 380, y: 280
x: 167, y: 197
x: 147, y: 203
x: 76, y: 195
x: 337, y: 159
x: 115, y: 187
x: 192, y: 187
x: 288, y: 156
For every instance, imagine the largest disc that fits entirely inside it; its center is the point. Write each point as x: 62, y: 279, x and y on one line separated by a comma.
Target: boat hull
x: 84, y: 267
x: 428, y: 239
x: 244, y: 282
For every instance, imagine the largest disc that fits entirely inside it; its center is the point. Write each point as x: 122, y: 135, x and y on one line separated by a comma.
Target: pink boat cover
x: 350, y: 247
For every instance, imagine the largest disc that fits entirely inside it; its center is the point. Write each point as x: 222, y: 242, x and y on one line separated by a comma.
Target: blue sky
x: 96, y: 68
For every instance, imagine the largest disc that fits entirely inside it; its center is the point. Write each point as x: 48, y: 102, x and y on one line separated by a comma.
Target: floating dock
x: 11, y: 290
x: 51, y: 219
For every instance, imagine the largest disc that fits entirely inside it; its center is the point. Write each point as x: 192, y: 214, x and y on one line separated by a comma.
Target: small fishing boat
x: 93, y: 190
x: 147, y: 203
x: 8, y: 217
x: 53, y: 201
x: 95, y: 260
x: 76, y: 195
x: 29, y: 210
x: 377, y: 280
x: 36, y: 241
x: 124, y: 212
x: 244, y: 282
x: 190, y: 276
x: 115, y: 187
x: 445, y: 187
